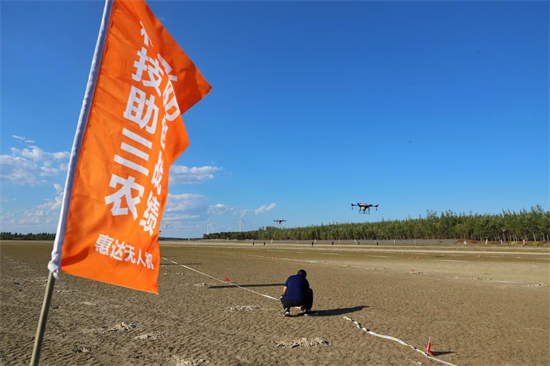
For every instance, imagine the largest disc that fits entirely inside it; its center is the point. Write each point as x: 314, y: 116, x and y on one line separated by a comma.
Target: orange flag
x: 130, y: 132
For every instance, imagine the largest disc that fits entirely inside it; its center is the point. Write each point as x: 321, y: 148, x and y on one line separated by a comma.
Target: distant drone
x: 279, y: 221
x: 364, y: 207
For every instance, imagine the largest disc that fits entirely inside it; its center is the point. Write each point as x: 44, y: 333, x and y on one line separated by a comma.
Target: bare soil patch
x: 480, y: 305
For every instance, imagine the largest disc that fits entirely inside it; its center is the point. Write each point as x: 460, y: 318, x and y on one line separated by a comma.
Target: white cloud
x: 218, y: 209
x: 265, y: 208
x: 8, y: 217
x: 186, y: 203
x: 6, y: 199
x: 183, y: 214
x: 196, y: 175
x: 37, y: 154
x: 32, y: 165
x: 22, y: 139
x: 169, y: 218
x: 19, y: 171
x: 41, y: 218
x: 54, y: 205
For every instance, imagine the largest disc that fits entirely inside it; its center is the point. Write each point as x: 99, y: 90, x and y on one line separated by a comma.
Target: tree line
x: 533, y: 225
x: 18, y: 236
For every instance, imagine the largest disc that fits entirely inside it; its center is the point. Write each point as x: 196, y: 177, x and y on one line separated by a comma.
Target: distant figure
x: 332, y: 243
x: 297, y: 292
x: 523, y: 241
x: 486, y: 241
x: 394, y: 241
x: 252, y: 243
x: 464, y: 242
x: 264, y: 243
x: 500, y: 241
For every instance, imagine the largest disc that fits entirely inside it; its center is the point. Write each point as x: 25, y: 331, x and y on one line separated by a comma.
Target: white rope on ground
x: 345, y: 317
x: 217, y: 279
x: 398, y: 341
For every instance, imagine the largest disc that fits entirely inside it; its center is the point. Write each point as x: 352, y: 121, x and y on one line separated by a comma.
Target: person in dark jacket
x: 297, y: 292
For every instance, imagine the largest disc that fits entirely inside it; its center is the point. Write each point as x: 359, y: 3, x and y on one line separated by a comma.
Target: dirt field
x: 479, y: 305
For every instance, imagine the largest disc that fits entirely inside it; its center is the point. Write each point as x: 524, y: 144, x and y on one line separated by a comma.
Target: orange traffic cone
x: 429, y: 346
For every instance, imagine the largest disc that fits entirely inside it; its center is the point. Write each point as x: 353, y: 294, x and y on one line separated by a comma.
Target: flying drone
x: 364, y: 207
x: 279, y: 221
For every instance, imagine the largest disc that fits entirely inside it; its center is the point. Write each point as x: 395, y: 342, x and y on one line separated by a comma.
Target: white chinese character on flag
x: 140, y: 65
x: 163, y: 133
x: 130, y: 255
x: 135, y: 110
x: 151, y: 214
x: 117, y: 250
x: 103, y: 243
x: 140, y: 259
x: 149, y: 260
x: 157, y: 174
x: 171, y: 107
x: 146, y: 38
x: 167, y: 68
x: 155, y: 75
x: 153, y: 68
x: 125, y: 191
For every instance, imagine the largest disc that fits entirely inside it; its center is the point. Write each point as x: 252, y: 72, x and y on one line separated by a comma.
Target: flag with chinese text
x: 134, y: 132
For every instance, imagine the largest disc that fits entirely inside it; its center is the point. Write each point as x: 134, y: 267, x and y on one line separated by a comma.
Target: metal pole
x: 55, y: 263
x: 42, y: 322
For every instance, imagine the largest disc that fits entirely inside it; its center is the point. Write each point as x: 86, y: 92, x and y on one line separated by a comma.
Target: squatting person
x: 296, y: 292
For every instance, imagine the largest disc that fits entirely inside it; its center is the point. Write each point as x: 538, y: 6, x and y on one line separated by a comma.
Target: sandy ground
x: 479, y: 305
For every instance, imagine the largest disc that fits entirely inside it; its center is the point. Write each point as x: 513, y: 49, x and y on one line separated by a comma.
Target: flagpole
x: 55, y: 263
x: 42, y: 322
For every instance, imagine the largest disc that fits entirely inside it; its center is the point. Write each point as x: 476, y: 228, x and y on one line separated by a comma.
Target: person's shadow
x: 440, y: 353
x: 341, y: 311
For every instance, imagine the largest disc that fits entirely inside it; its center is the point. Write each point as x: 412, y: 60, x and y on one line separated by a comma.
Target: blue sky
x: 414, y: 106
